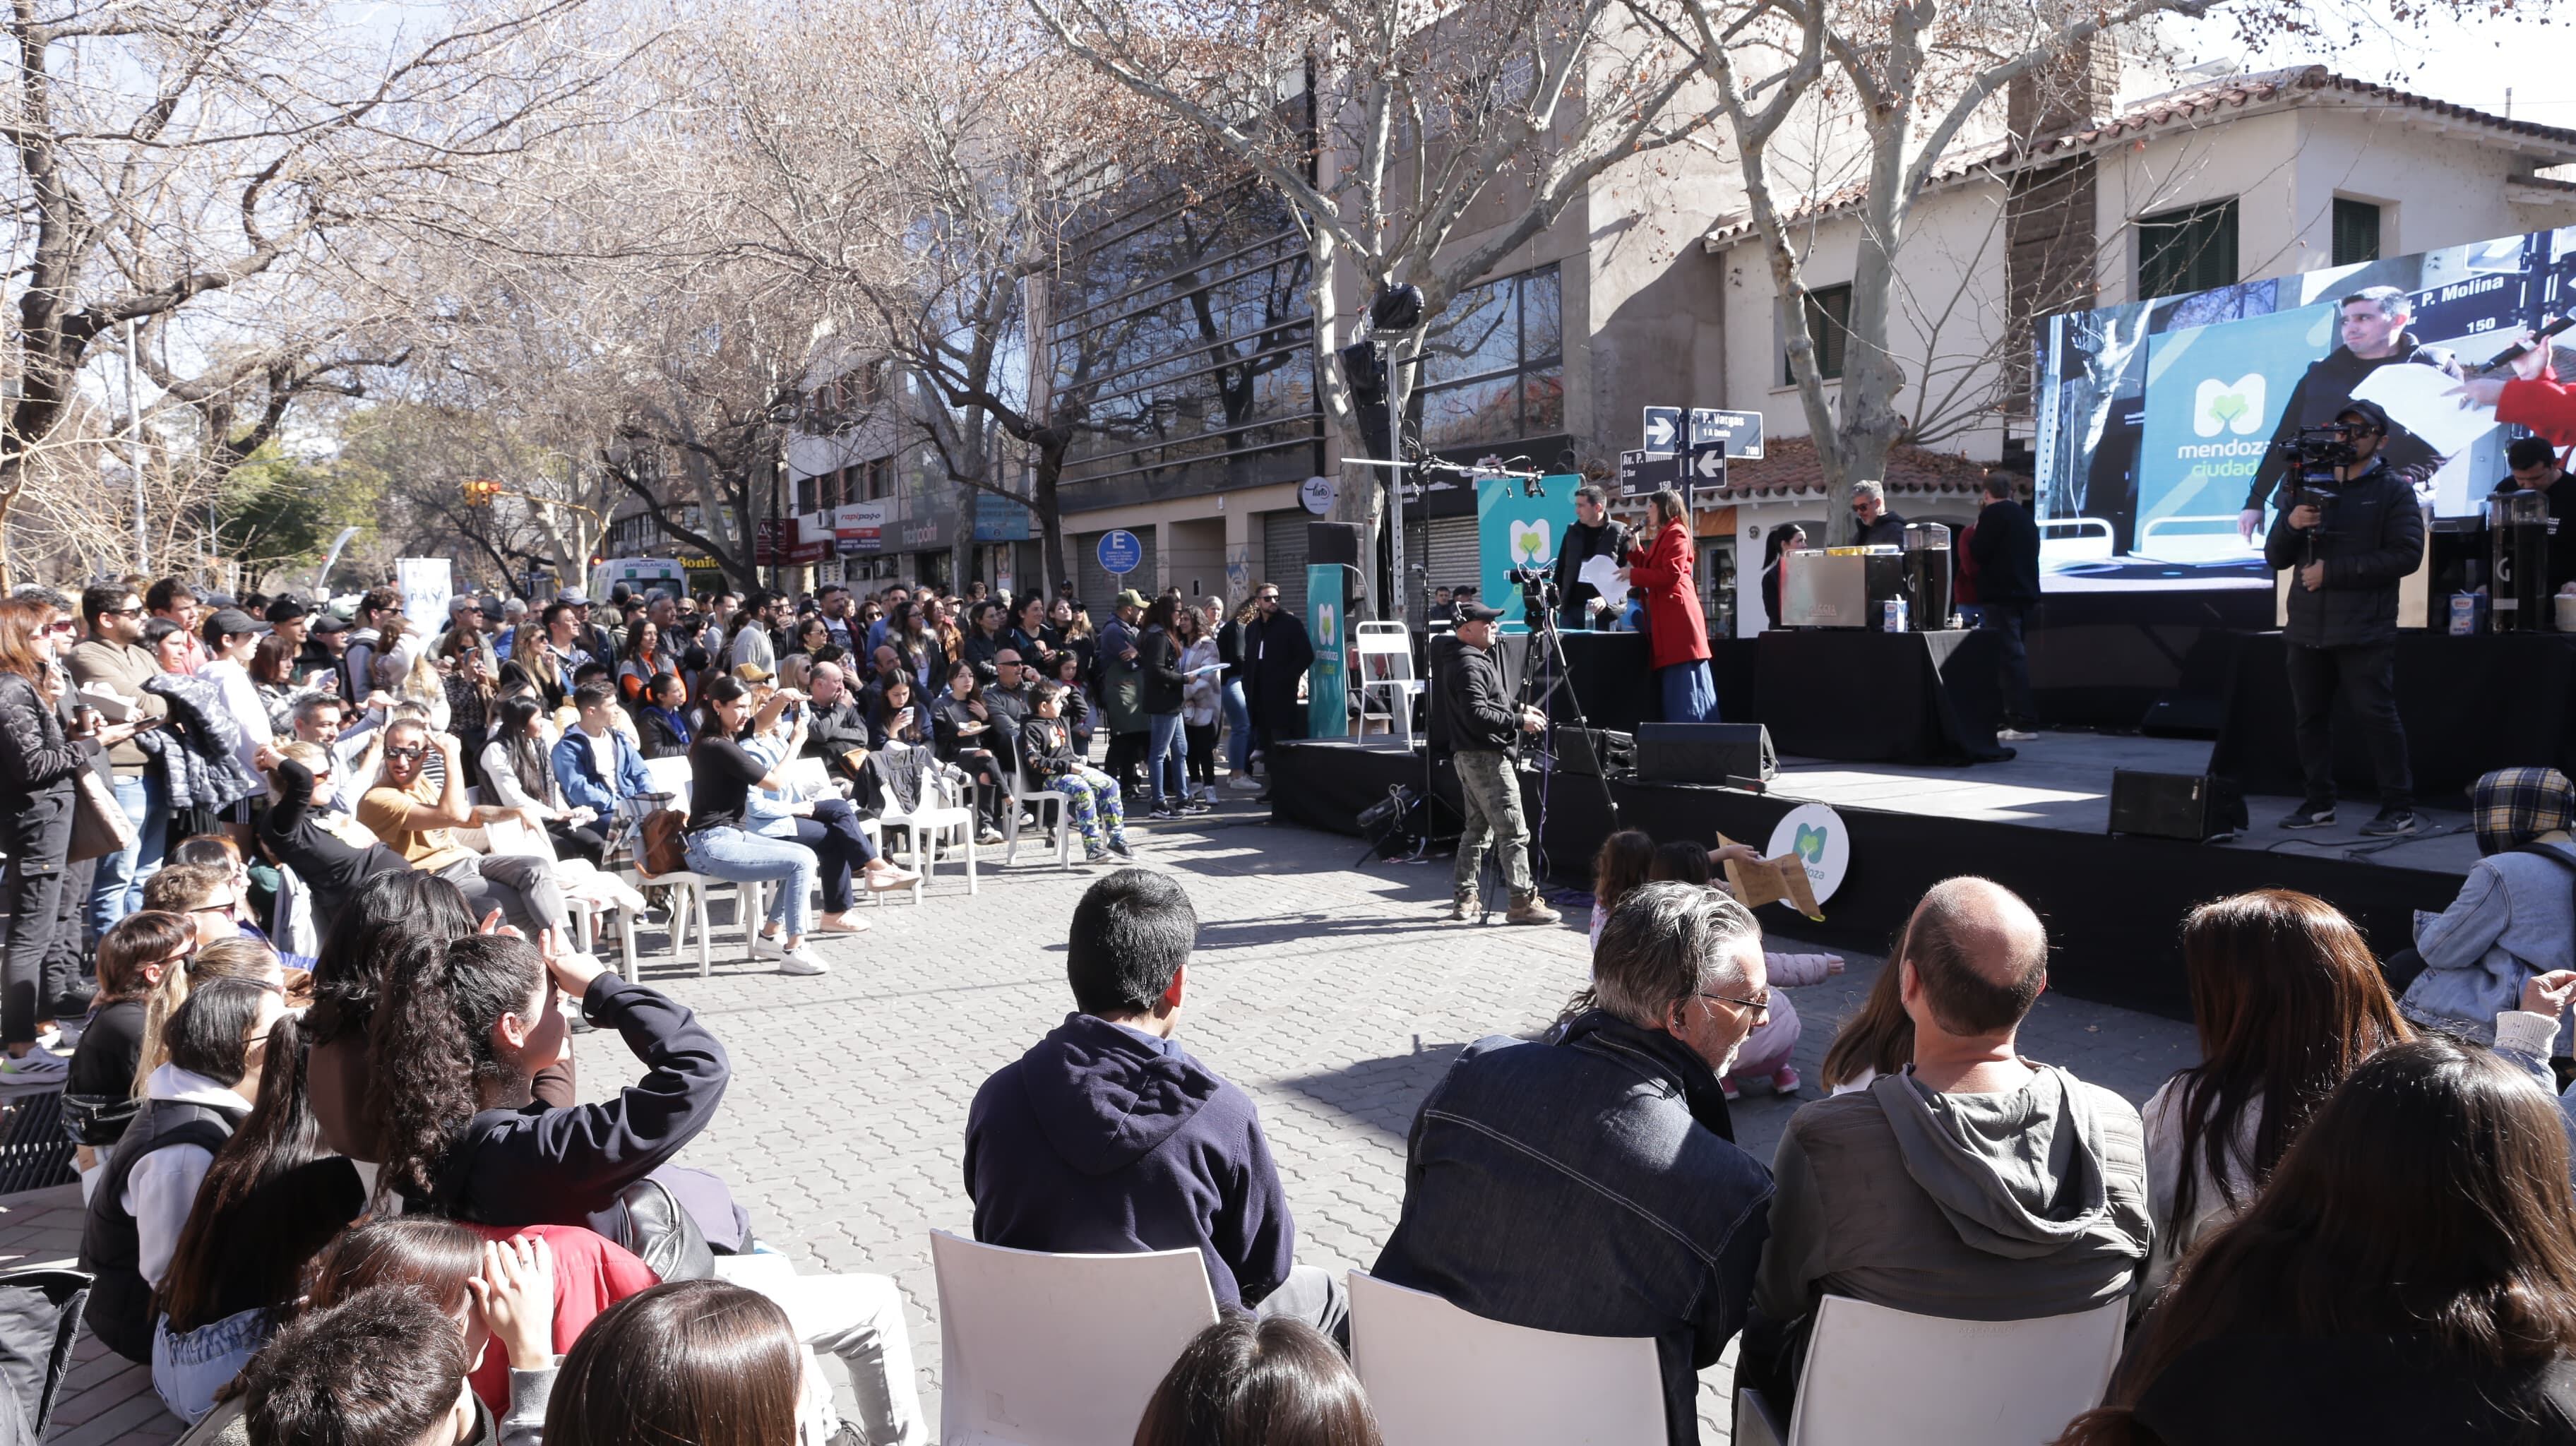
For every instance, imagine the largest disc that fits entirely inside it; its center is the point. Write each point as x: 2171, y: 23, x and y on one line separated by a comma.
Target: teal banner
x: 2214, y: 394
x: 1328, y: 704
x: 1513, y: 530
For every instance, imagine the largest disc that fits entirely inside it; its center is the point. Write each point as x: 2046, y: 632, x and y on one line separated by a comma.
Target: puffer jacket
x: 2372, y: 536
x: 200, y: 756
x: 34, y: 755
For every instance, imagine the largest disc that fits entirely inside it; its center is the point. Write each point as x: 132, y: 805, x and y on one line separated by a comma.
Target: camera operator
x: 1475, y: 721
x: 2348, y: 545
x: 1592, y: 535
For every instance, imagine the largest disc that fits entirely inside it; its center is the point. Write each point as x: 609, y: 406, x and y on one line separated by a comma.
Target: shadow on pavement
x: 1382, y: 1094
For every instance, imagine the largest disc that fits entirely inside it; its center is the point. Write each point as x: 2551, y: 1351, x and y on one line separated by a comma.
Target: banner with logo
x: 861, y: 526
x: 1514, y: 530
x: 2154, y: 415
x: 1328, y: 702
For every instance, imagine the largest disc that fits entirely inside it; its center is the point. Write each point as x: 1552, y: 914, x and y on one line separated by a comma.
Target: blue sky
x: 2468, y: 61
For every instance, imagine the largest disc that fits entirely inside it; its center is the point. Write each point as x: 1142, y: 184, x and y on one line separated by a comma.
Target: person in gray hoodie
x: 1974, y: 1185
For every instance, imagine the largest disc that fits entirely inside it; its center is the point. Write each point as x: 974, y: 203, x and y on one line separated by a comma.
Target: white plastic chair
x: 1027, y: 795
x: 812, y: 778
x: 511, y: 836
x: 688, y: 896
x: 1877, y: 1374
x: 1437, y: 1375
x: 928, y: 825
x: 1384, y: 653
x: 1059, y: 1350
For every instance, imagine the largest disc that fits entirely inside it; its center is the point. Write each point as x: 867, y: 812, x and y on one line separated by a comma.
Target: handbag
x: 664, y: 852
x: 99, y: 824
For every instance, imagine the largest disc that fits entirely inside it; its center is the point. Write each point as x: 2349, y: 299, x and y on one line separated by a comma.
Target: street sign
x: 1641, y: 473
x: 1317, y: 494
x: 1707, y: 464
x: 1120, y: 552
x: 1740, y: 431
x: 1663, y: 430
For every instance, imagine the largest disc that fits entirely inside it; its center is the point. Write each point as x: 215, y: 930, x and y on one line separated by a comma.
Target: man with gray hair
x: 1973, y: 1185
x: 1872, y: 524
x: 1589, y: 1182
x: 2372, y: 334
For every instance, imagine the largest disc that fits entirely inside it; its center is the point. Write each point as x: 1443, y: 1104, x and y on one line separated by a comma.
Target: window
x: 1493, y: 365
x: 806, y: 491
x: 2356, y: 231
x: 2188, y: 250
x: 1829, y: 326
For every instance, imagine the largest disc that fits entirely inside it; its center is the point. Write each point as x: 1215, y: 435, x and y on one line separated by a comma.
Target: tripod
x: 1545, y: 655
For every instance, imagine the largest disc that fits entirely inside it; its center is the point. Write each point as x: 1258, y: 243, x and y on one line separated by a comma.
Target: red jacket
x: 2543, y: 405
x: 1674, y: 629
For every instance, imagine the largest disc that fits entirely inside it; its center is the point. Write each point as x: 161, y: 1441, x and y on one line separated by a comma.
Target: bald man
x: 1974, y: 1185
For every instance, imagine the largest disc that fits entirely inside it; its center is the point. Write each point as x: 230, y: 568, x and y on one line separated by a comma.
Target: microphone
x: 2519, y: 350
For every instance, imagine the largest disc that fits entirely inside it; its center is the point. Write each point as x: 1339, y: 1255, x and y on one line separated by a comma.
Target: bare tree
x: 1417, y: 145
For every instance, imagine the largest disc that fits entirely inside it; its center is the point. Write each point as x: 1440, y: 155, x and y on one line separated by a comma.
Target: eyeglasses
x: 1758, y: 1006
x: 135, y: 611
x: 1267, y: 597
x: 220, y: 906
x: 406, y: 753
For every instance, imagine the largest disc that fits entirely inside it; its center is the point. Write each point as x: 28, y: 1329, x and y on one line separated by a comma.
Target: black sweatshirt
x: 537, y: 1165
x: 331, y: 868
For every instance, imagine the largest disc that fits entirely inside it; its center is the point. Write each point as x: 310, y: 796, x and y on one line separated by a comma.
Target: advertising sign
x: 999, y: 519
x: 1328, y: 703
x: 861, y: 526
x: 1515, y: 531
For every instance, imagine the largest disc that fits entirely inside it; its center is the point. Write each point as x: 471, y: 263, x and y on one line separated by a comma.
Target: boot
x: 1463, y: 907
x: 1529, y: 908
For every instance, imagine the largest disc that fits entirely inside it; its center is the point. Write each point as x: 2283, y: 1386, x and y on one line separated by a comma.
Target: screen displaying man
x: 2348, y: 545
x: 2536, y: 469
x: 2372, y: 326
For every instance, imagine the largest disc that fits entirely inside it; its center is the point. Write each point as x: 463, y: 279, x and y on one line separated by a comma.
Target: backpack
x: 663, y: 851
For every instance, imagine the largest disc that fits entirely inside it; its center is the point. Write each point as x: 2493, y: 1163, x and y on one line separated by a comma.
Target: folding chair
x: 928, y: 822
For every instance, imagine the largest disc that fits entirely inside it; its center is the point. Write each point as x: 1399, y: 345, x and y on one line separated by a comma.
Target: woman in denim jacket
x: 2516, y: 912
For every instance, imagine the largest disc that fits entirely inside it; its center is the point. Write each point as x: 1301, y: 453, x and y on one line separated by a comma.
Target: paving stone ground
x: 1329, y: 991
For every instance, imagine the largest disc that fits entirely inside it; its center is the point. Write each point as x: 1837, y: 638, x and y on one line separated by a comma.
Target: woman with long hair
x: 963, y: 734
x: 984, y: 640
x: 272, y: 677
x: 99, y: 1097
x: 273, y: 1196
x: 466, y: 674
x: 2286, y: 1000
x: 1785, y: 538
x: 518, y: 772
x: 39, y: 772
x: 1200, y: 701
x: 1238, y: 711
x: 1248, y: 1382
x: 1075, y: 706
x: 1624, y: 860
x: 1158, y: 655
x: 1029, y: 631
x: 640, y: 662
x: 720, y: 841
x: 1876, y: 1039
x: 700, y: 1361
x: 892, y: 718
x: 388, y: 918
x: 1677, y: 634
x: 2407, y: 1274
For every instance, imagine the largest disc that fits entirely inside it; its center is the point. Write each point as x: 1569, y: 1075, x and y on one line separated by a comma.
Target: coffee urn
x: 1927, y: 576
x: 2518, y: 562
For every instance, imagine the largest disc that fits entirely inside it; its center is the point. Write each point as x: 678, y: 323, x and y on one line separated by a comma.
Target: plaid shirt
x: 2512, y: 806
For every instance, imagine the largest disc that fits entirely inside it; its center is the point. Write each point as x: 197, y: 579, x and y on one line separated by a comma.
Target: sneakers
x: 1118, y: 846
x: 2309, y: 815
x: 1093, y: 853
x: 801, y: 960
x: 1784, y: 1080
x: 1197, y: 806
x: 1529, y: 908
x: 2390, y: 823
x: 1463, y: 907
x: 36, y: 1062
x: 1162, y: 811
x: 2014, y: 735
x: 888, y: 878
x: 988, y: 836
x: 1244, y: 783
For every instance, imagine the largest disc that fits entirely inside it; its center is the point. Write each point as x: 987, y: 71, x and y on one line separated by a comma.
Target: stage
x: 2034, y: 823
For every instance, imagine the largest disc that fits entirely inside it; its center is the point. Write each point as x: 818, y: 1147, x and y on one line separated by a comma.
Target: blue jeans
x: 188, y: 1369
x: 1689, y: 697
x: 1238, y: 728
x: 746, y: 858
x: 1168, y: 748
x: 118, y: 890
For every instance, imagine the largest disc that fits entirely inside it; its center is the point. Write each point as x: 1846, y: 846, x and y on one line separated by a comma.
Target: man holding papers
x: 2373, y: 328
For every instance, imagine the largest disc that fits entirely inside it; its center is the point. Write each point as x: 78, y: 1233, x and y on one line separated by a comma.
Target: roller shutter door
x: 1283, y: 556
x: 1452, y: 556
x: 1099, y: 587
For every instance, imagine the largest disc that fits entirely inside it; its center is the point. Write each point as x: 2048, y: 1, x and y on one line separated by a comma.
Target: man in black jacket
x: 2006, y: 548
x: 2373, y: 329
x: 1477, y: 724
x: 1276, y: 654
x: 1593, y: 534
x: 2349, y: 553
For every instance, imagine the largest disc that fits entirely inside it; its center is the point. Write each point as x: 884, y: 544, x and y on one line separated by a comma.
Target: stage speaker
x: 2190, y: 806
x: 1333, y: 542
x: 1704, y: 752
x: 1595, y: 752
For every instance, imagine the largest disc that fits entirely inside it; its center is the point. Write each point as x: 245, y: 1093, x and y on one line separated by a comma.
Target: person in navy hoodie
x: 1108, y: 1137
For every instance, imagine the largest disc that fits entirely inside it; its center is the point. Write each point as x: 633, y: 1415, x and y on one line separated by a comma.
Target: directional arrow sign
x: 1708, y: 464
x: 1740, y: 431
x: 1643, y: 472
x: 1663, y: 430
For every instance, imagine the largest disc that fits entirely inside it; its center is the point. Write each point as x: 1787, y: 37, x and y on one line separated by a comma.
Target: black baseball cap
x: 1476, y: 612
x: 331, y: 622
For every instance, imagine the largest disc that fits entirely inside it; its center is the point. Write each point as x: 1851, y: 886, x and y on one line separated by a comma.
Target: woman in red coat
x: 1675, y: 634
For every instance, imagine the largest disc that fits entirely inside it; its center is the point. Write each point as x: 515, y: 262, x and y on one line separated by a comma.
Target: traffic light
x: 479, y: 491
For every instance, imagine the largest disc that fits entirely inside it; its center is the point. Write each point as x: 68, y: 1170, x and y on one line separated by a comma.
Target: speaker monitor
x: 2189, y: 806
x: 1704, y: 752
x: 1333, y: 542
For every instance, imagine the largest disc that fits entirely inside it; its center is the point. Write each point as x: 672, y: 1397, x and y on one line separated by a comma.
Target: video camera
x: 1538, y: 587
x: 2317, y: 453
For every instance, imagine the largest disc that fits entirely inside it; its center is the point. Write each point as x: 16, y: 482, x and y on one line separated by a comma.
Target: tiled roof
x: 2188, y: 106
x: 1789, y: 469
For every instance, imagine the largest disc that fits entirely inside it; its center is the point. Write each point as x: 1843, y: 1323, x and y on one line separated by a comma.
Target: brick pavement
x: 1329, y: 992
